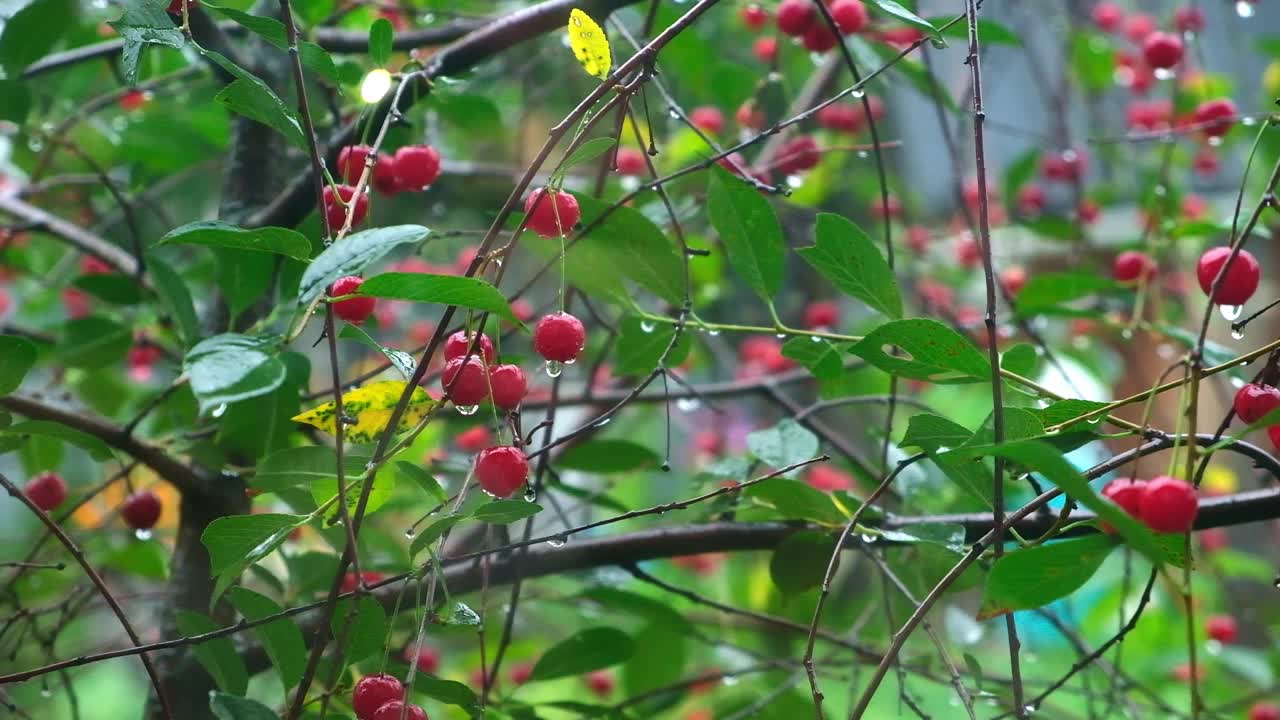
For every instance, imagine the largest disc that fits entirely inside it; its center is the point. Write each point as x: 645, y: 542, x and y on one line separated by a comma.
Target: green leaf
x: 1033, y: 577
x: 442, y: 289
x: 800, y: 561
x: 148, y: 560
x: 930, y: 432
x: 304, y: 465
x: 380, y: 38
x: 990, y: 32
x: 243, y: 277
x: 434, y: 532
x: 927, y: 350
x: 17, y: 356
x: 947, y: 535
x: 1021, y: 359
x: 399, y: 359
x: 587, y: 151
x: 1018, y: 173
x: 846, y: 256
x: 784, y: 444
x: 819, y: 356
x: 352, y: 254
x: 420, y: 477
x: 505, y: 512
x: 639, y: 606
x: 232, y: 707
x: 15, y: 101
x: 237, y: 541
x: 282, y: 639
x: 583, y: 652
x: 313, y: 57
x: 96, y: 448
x: 368, y: 632
x: 642, y: 342
x: 895, y: 9
x: 230, y: 367
x: 464, y: 616
x: 1093, y: 62
x: 257, y: 102
x: 659, y: 659
x: 93, y: 342
x: 449, y: 692
x: 281, y: 241
x: 1046, y: 291
x: 114, y: 288
x: 1064, y: 412
x: 32, y: 31
x: 217, y: 656
x: 608, y: 456
x: 749, y: 229
x: 796, y: 500
x: 384, y: 484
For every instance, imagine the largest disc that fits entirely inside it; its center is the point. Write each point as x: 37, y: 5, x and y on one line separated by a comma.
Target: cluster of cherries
x: 411, y: 168
x: 140, y: 511
x: 801, y: 20
x: 382, y: 697
x: 1238, y: 284
x: 1164, y: 504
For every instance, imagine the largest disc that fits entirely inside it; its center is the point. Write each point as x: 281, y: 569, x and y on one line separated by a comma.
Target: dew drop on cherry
x: 1231, y: 313
x: 554, y: 369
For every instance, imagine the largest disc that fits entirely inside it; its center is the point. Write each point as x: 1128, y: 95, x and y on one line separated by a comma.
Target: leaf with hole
x: 923, y: 349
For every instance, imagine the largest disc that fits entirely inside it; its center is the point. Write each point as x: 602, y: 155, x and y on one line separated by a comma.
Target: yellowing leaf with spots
x: 589, y: 44
x: 368, y: 411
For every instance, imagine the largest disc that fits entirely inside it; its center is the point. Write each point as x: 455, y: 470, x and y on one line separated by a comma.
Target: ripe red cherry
x: 1127, y: 493
x: 141, y: 359
x: 754, y: 16
x: 501, y: 470
x: 355, y: 310
x: 601, y: 683
x: 350, y: 582
x: 839, y: 117
x: 1221, y: 628
x: 336, y: 212
x: 1131, y: 265
x: 1162, y: 50
x: 1254, y: 401
x: 1240, y: 281
x: 457, y: 345
x: 850, y: 15
x: 90, y: 265
x: 1138, y: 26
x: 417, y: 166
x: 351, y: 160
x: 918, y: 238
x: 1216, y: 116
x: 794, y: 17
x: 473, y: 439
x: 509, y: 386
x: 819, y: 38
x: 46, y: 490
x: 465, y: 382
x: 708, y: 442
x: 395, y: 709
x: 374, y: 691
x: 1065, y: 166
x: 798, y: 154
x: 521, y: 672
x: 1087, y: 211
x: 1206, y: 162
x: 630, y: 162
x: 426, y: 659
x: 1031, y: 199
x: 765, y: 49
x: 384, y: 176
x: 749, y: 116
x: 554, y: 215
x: 1188, y: 19
x: 883, y: 208
x: 707, y: 119
x: 968, y: 251
x: 1169, y: 505
x: 1264, y: 711
x: 133, y: 100
x: 1014, y: 279
x: 559, y: 337
x: 141, y: 510
x: 1107, y: 16
x: 1273, y: 433
x: 827, y: 478
x: 822, y: 314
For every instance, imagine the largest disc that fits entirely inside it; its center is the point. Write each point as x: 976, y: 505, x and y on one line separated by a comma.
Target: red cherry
x: 1254, y: 401
x: 1221, y: 628
x: 883, y: 208
x: 1273, y: 433
x: 1138, y: 26
x: 794, y: 17
x: 1127, y: 493
x: 521, y: 672
x: 384, y: 176
x: 336, y: 213
x: 708, y: 442
x: 1193, y: 207
x: 1240, y: 281
x: 839, y: 117
x: 1131, y: 265
x: 46, y: 490
x: 355, y: 310
x: 1264, y: 711
x: 1206, y: 162
x: 553, y: 216
x: 76, y: 303
x: 1065, y: 166
x: 1188, y: 19
x: 749, y: 116
x: 426, y: 659
x: 819, y: 38
x: 1087, y: 211
x: 473, y: 439
x: 374, y: 691
x: 765, y: 49
x: 1107, y: 16
x: 822, y: 314
x: 457, y: 345
x: 509, y: 386
x: 601, y: 683
x: 501, y: 470
x: 1031, y: 199
x: 754, y: 16
x: 1217, y: 116
x: 90, y: 265
x: 395, y: 710
x: 1169, y: 505
x: 465, y: 381
x: 133, y: 100
x: 850, y: 15
x: 918, y: 239
x: 559, y: 337
x: 827, y: 478
x: 417, y: 166
x: 351, y: 160
x: 1213, y: 539
x: 141, y: 510
x: 1162, y: 50
x: 1014, y: 279
x: 968, y: 251
x: 631, y: 162
x: 797, y: 155
x: 707, y: 119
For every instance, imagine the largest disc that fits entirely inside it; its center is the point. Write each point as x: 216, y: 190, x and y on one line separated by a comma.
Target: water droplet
x: 1237, y: 332
x: 687, y: 404
x: 867, y: 538
x: 570, y: 361
x: 815, y: 338
x: 46, y: 692
x: 647, y: 326
x: 713, y: 332
x: 666, y: 466
x: 1127, y: 333
x: 219, y: 411
x: 774, y: 77
x: 1237, y: 383
x: 1164, y: 74
x: 410, y: 533
x: 558, y: 541
x: 1244, y: 8
x: 858, y: 94
x: 1165, y: 351
x: 863, y: 154
x: 729, y: 679
x: 142, y: 534
x: 369, y: 466
x: 1231, y: 313
x: 794, y: 181
x: 466, y: 409
x: 554, y: 369
x: 938, y: 43
x: 781, y: 336
x: 1215, y: 141
x: 1161, y: 190
x: 1094, y: 420
x: 674, y: 113
x: 1248, y: 121
x: 943, y: 448
x: 601, y: 422
x: 530, y: 495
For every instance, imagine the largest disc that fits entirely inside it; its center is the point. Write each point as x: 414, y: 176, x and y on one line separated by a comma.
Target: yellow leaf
x: 589, y: 44
x: 368, y: 410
